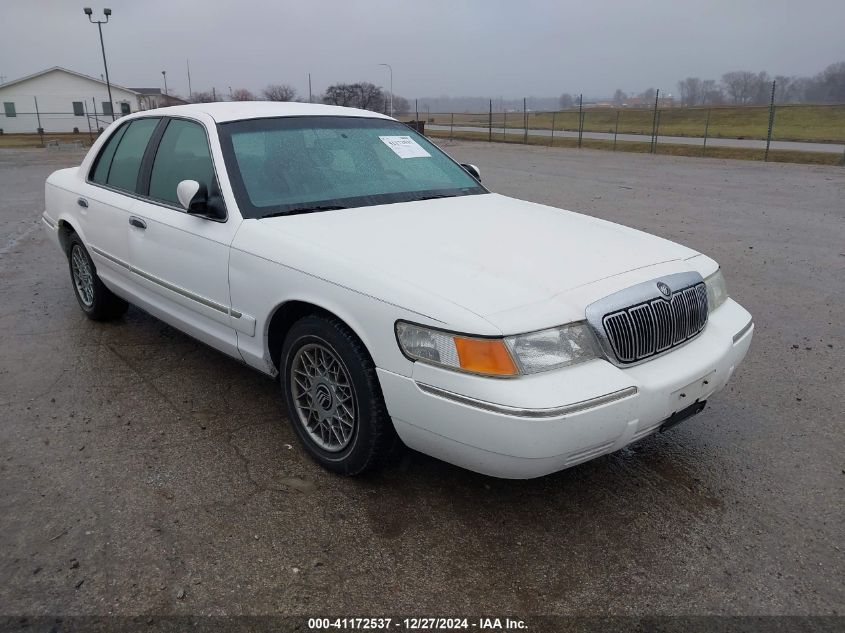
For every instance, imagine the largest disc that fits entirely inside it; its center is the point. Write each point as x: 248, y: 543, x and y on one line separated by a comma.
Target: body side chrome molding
x: 247, y: 326
x: 552, y: 412
x: 111, y: 258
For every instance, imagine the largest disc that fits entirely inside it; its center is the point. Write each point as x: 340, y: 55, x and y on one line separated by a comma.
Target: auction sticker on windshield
x: 405, y: 147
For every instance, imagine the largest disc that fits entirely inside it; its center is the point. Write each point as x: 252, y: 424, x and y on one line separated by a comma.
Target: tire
x: 347, y: 391
x: 97, y: 302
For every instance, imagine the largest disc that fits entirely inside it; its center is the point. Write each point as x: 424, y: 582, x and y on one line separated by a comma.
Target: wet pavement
x: 144, y: 473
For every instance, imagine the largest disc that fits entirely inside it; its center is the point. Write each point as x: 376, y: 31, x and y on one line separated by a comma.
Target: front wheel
x: 98, y: 302
x: 333, y: 397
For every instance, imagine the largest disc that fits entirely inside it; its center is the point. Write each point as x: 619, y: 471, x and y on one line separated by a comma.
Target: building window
x: 78, y: 110
x: 9, y: 107
x: 124, y: 108
x: 107, y: 107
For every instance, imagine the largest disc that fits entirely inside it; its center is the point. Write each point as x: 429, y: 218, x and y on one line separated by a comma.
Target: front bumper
x: 535, y: 425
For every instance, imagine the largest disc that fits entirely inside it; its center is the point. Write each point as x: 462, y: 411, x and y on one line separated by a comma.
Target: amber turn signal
x: 485, y: 356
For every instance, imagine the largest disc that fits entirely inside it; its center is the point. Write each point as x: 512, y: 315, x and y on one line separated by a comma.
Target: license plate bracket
x: 679, y: 416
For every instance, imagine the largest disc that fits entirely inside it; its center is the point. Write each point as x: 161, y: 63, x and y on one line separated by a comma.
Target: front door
x: 182, y: 260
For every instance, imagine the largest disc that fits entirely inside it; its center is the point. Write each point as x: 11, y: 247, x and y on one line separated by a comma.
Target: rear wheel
x: 98, y: 302
x: 334, y: 398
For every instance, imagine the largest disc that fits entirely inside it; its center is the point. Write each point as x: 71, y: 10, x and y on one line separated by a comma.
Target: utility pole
x: 190, y: 92
x: 310, y: 95
x: 99, y: 23
x: 390, y: 68
x: 166, y: 99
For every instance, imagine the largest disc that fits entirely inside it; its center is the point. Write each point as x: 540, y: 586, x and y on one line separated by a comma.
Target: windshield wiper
x: 305, y: 209
x: 434, y: 196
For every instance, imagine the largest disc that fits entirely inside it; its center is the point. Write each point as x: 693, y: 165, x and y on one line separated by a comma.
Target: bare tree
x: 647, y: 96
x: 279, y: 92
x: 339, y: 94
x: 741, y: 86
x: 832, y: 81
x: 712, y: 93
x: 763, y: 92
x: 202, y: 97
x: 400, y: 105
x: 242, y: 94
x: 362, y: 95
x: 619, y: 98
x: 786, y: 89
x: 566, y: 101
x: 370, y: 96
x: 691, y: 90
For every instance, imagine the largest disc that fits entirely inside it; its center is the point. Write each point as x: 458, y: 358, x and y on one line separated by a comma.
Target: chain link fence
x: 789, y: 133
x: 37, y: 126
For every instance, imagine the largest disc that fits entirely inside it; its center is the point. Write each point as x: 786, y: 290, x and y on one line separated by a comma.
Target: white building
x: 63, y: 100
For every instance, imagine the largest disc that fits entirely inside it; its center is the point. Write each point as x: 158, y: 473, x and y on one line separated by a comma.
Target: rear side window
x: 126, y: 160
x: 183, y: 154
x: 101, y: 167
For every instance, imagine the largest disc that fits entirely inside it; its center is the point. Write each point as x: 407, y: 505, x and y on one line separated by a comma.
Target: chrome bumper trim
x: 519, y: 412
x: 48, y: 221
x: 743, y: 331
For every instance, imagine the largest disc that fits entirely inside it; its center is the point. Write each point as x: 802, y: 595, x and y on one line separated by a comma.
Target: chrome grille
x: 654, y: 326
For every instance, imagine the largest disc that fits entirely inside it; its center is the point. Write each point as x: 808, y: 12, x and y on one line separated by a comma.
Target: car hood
x: 487, y: 253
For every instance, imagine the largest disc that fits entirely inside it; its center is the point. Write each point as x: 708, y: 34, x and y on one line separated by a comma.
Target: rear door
x: 181, y: 259
x: 108, y: 196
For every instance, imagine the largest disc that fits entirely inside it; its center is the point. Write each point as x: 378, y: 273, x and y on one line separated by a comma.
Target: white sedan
x: 392, y: 295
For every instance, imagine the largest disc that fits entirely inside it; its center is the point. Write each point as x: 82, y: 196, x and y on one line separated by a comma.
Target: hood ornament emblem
x: 664, y: 289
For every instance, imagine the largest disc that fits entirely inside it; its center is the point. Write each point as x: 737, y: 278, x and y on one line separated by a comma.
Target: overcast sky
x: 436, y: 47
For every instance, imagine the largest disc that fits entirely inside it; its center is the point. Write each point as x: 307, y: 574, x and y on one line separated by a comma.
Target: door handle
x: 137, y: 222
x: 82, y: 202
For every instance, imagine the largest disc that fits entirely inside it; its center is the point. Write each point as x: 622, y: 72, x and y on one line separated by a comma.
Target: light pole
x: 166, y: 99
x: 390, y: 68
x: 99, y: 23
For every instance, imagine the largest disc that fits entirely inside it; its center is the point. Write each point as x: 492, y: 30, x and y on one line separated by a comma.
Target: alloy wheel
x: 324, y: 396
x: 83, y: 276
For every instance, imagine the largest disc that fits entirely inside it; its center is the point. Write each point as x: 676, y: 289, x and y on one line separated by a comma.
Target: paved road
x: 143, y: 473
x: 833, y: 148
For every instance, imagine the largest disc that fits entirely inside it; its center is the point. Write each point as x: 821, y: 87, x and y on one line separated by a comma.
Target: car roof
x: 240, y: 110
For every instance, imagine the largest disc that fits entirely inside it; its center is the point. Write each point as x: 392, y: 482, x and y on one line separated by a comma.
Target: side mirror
x: 194, y: 198
x: 472, y: 170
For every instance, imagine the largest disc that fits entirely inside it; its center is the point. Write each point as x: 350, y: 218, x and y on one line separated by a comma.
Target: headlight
x: 521, y: 354
x: 717, y: 291
x: 553, y: 348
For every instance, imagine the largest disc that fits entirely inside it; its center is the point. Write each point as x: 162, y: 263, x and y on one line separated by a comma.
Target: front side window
x: 9, y: 108
x: 182, y: 154
x: 120, y: 159
x: 290, y: 164
x: 78, y: 109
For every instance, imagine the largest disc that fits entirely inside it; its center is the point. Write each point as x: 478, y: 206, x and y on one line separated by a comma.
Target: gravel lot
x: 143, y: 473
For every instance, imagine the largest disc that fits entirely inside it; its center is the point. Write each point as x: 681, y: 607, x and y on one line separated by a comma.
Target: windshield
x: 317, y: 163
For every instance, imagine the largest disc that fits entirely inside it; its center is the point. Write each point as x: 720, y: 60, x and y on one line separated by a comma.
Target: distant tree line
x: 744, y: 87
x: 740, y: 87
x: 362, y: 95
